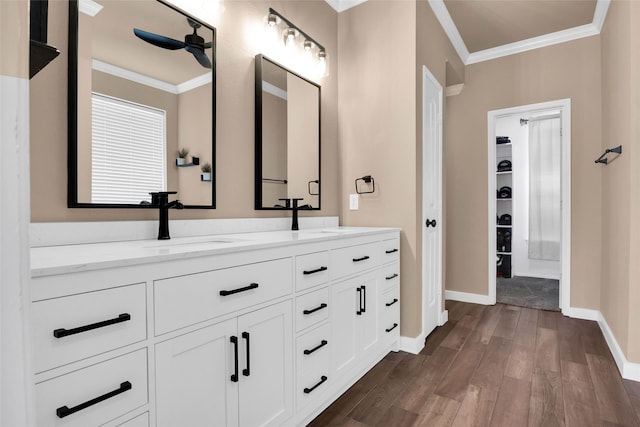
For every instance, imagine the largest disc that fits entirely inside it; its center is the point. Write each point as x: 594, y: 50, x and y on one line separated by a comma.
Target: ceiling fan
x: 193, y: 43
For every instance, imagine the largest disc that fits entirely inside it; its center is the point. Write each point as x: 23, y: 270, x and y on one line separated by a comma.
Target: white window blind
x: 128, y: 151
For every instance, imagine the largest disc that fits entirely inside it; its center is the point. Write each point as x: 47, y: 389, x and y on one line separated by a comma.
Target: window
x: 128, y: 157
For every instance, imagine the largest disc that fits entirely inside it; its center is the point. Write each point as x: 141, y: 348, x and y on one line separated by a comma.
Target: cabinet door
x: 266, y: 366
x: 367, y: 326
x: 193, y: 371
x: 345, y: 304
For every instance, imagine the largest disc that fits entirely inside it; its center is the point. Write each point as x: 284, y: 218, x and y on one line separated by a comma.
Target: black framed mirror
x: 287, y: 126
x: 141, y: 88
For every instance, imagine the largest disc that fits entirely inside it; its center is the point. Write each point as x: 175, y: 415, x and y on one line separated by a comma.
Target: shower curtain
x: 545, y: 217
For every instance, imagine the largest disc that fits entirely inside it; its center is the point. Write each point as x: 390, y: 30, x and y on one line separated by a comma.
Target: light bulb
x: 272, y: 20
x: 307, y: 45
x: 290, y: 35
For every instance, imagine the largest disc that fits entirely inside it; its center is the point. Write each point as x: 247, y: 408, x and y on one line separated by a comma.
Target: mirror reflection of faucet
x: 160, y: 200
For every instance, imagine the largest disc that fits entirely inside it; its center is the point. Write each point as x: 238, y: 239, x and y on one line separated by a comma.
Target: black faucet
x: 294, y: 212
x: 161, y: 201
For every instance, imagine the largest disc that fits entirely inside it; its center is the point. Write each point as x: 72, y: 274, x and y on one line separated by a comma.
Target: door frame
x: 429, y: 78
x: 564, y: 105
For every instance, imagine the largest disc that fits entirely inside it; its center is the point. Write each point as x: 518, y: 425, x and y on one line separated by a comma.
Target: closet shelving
x: 504, y: 205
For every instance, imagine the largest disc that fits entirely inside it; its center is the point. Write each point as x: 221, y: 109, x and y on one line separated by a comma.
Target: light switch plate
x: 353, y: 202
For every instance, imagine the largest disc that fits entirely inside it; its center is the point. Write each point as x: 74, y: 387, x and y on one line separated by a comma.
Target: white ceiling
x: 481, y: 30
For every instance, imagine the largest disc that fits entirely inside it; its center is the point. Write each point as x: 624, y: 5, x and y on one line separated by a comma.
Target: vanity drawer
x: 390, y: 276
x: 141, y: 420
x: 74, y: 327
x: 186, y: 300
x: 312, y: 270
x: 390, y: 250
x: 354, y: 259
x: 120, y: 383
x: 390, y: 312
x: 312, y: 308
x: 313, y: 364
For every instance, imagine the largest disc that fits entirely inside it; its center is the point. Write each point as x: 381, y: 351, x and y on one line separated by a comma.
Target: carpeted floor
x: 529, y: 292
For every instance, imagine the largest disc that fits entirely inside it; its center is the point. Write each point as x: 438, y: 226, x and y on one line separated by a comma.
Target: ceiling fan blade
x: 158, y: 40
x: 201, y: 57
x: 208, y: 45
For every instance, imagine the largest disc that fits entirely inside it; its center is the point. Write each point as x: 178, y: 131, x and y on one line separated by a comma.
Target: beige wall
x: 377, y: 128
x: 568, y: 70
x: 194, y: 130
x: 620, y: 293
x: 236, y: 48
x: 14, y: 38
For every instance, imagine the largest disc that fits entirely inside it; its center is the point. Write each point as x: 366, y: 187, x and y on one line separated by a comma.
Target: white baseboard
x: 412, y: 345
x: 444, y: 317
x: 628, y: 370
x: 415, y: 345
x: 582, y: 313
x: 467, y: 297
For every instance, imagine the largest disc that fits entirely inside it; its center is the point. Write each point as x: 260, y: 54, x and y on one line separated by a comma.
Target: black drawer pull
x: 359, y: 291
x: 246, y: 372
x: 391, y: 251
x: 364, y: 258
x: 59, y: 333
x: 318, y: 347
x: 234, y: 376
x: 317, y: 270
x: 309, y: 390
x: 64, y: 411
x: 395, y: 325
x: 313, y: 310
x: 393, y: 276
x: 235, y: 291
x: 389, y: 304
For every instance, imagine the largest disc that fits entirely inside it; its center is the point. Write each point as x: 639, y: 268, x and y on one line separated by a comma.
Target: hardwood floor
x: 495, y: 366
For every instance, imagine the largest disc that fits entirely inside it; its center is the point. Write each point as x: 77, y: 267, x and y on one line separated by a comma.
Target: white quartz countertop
x: 52, y: 260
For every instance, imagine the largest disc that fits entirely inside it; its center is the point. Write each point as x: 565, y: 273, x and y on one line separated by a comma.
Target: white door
x: 193, y: 378
x: 367, y: 326
x: 345, y: 304
x: 431, y: 201
x: 266, y: 366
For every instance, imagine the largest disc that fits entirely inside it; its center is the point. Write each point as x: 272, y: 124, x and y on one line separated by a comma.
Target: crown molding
x: 195, y: 82
x: 587, y: 30
x: 533, y: 43
x: 89, y: 7
x: 342, y: 5
x: 133, y: 76
x: 453, y: 90
x: 441, y: 12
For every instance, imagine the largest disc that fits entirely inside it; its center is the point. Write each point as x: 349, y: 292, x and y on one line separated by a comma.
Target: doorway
x: 529, y: 182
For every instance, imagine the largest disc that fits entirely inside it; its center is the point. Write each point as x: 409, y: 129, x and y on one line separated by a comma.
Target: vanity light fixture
x: 293, y: 35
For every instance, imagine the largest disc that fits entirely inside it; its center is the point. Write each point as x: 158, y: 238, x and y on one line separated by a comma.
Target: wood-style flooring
x: 495, y: 366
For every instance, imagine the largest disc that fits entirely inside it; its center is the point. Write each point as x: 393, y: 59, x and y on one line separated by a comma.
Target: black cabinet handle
x: 431, y: 223
x: 317, y: 270
x: 235, y: 291
x: 309, y: 390
x: 318, y: 347
x: 389, y: 304
x: 391, y: 251
x: 65, y: 411
x: 234, y: 376
x: 59, y: 333
x: 395, y: 325
x: 313, y: 310
x: 364, y: 299
x: 366, y: 257
x: 393, y: 276
x: 359, y: 291
x: 246, y: 371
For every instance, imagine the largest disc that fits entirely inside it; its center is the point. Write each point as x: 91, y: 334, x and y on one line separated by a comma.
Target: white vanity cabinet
x: 234, y: 373
x: 260, y: 334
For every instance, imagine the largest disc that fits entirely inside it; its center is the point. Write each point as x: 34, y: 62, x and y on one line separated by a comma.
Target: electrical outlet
x: 353, y: 202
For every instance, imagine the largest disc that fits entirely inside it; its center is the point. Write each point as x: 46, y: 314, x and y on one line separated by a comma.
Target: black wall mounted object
x: 40, y: 53
x: 603, y: 159
x: 367, y: 179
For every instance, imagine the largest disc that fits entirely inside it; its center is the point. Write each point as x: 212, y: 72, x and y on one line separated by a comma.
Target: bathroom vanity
x: 243, y: 330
